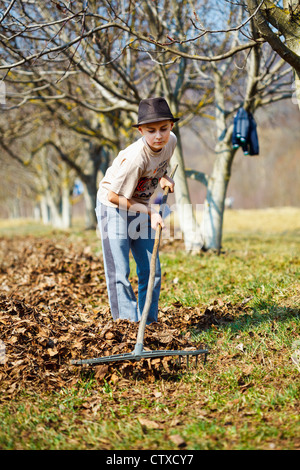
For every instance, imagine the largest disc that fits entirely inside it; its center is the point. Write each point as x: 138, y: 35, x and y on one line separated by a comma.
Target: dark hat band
x: 156, y: 119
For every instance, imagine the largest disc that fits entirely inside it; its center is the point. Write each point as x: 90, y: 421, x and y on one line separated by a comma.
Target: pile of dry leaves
x: 53, y: 308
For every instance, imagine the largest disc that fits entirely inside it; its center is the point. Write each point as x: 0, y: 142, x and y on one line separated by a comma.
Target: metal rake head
x: 137, y: 356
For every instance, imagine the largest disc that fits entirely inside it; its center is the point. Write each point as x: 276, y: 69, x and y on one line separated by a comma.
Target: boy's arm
x: 132, y: 206
x: 126, y: 204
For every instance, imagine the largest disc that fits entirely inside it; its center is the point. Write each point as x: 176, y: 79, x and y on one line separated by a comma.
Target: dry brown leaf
x: 114, y: 378
x: 148, y: 424
x: 178, y: 440
x: 101, y: 371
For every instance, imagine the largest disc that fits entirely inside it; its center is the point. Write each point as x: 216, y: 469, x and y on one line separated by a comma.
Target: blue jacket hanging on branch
x: 245, y: 133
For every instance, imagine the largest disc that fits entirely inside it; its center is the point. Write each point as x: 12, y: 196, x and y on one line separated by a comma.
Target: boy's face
x: 157, y: 134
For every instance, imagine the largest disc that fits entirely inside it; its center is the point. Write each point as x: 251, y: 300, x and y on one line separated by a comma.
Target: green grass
x: 245, y: 397
x: 261, y: 271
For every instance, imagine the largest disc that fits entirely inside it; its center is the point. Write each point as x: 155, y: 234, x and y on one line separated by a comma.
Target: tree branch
x: 261, y: 18
x: 197, y: 176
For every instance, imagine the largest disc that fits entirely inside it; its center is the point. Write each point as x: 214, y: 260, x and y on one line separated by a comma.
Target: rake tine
x: 205, y: 357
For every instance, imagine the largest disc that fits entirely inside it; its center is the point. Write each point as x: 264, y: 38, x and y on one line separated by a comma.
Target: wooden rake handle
x: 148, y: 301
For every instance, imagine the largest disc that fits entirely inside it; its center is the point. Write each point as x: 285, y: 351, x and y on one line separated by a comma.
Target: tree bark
x: 212, y: 219
x: 287, y: 23
x: 90, y: 197
x: 44, y: 210
x: 98, y: 161
x: 187, y: 220
x: 66, y: 218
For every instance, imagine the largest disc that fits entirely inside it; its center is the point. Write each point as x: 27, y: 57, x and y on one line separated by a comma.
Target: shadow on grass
x: 262, y: 312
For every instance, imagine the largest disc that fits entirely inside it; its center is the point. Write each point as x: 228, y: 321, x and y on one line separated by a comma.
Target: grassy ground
x: 247, y: 394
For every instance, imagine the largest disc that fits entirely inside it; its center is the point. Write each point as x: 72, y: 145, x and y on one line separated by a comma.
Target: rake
x: 139, y: 353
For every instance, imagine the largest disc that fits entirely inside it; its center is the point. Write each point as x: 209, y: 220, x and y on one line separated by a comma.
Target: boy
x: 126, y: 220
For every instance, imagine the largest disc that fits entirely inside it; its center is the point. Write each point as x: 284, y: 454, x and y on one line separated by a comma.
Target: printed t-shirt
x: 136, y: 171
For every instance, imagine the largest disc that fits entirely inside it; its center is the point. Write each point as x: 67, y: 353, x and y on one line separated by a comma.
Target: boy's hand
x: 167, y: 181
x: 156, y: 220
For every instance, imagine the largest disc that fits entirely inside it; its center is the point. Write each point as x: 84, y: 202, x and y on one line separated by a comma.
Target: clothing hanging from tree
x: 245, y: 132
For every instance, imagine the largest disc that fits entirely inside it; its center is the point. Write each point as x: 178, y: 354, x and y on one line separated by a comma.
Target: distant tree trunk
x: 65, y: 202
x: 90, y: 196
x: 99, y: 159
x: 44, y: 210
x: 55, y: 217
x: 55, y: 198
x: 15, y: 212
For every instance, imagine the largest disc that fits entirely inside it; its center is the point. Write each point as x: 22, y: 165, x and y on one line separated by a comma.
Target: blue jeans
x: 120, y: 233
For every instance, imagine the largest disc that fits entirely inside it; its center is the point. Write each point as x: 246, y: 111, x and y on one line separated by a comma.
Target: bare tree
x: 90, y: 67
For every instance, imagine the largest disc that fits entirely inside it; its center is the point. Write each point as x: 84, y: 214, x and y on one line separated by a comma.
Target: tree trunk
x: 98, y: 161
x: 295, y: 46
x: 293, y: 40
x: 90, y: 196
x: 65, y: 197
x: 212, y: 219
x: 186, y: 215
x: 65, y: 208
x: 55, y: 217
x: 44, y: 210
